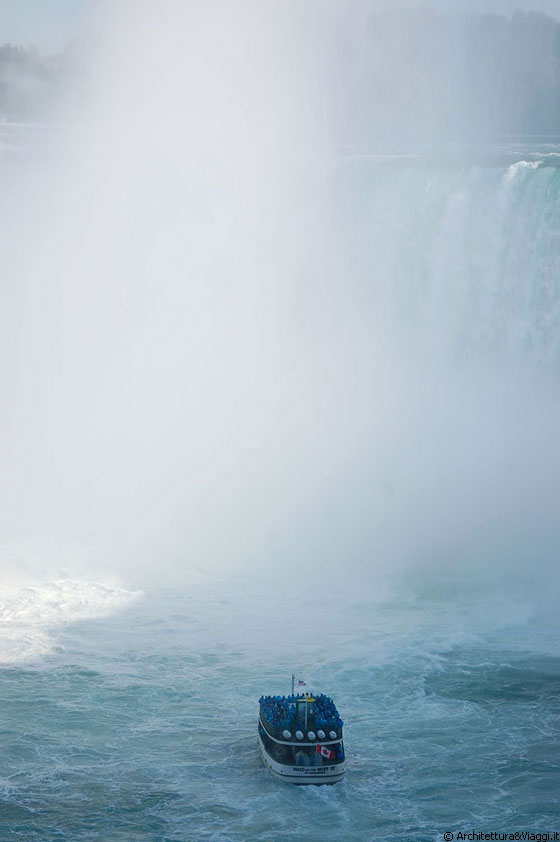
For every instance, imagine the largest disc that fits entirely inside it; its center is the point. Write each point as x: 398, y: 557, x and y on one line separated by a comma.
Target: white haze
x: 190, y: 383
x: 479, y: 7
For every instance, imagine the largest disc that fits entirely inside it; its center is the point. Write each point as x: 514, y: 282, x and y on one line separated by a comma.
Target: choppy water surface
x: 137, y: 720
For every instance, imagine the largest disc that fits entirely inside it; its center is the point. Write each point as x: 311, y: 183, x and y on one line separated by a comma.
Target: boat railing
x: 303, y: 754
x: 288, y: 732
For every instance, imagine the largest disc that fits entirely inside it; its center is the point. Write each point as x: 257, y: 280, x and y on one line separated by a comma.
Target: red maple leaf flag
x: 325, y: 752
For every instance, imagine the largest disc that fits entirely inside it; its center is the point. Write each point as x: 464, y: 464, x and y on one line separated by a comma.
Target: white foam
x: 31, y: 615
x: 521, y: 166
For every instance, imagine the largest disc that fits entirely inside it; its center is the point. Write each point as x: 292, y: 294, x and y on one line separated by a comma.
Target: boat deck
x: 288, y: 712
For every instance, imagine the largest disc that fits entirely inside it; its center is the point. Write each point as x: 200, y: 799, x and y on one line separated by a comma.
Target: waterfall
x: 467, y: 255
x: 225, y: 347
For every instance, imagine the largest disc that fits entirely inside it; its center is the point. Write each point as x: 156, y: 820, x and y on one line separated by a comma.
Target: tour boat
x: 300, y: 738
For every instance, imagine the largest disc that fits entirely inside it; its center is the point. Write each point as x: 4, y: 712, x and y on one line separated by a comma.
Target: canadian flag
x: 325, y: 752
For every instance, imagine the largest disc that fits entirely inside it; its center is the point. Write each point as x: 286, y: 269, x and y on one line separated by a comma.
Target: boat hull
x: 299, y: 775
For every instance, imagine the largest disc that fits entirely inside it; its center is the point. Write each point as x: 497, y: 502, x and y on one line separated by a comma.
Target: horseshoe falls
x: 269, y: 407
x: 470, y: 250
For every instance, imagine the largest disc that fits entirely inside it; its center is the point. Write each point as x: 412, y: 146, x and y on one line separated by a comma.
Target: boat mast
x: 293, y: 682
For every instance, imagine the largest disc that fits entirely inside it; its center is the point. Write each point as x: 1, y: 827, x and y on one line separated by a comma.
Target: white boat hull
x: 302, y: 775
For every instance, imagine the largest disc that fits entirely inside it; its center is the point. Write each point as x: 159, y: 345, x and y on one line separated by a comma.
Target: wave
x: 30, y: 616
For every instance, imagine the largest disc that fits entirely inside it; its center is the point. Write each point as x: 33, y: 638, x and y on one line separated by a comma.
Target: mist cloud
x: 204, y: 368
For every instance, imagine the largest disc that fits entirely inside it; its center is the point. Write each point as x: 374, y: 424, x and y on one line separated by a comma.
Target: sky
x: 51, y: 24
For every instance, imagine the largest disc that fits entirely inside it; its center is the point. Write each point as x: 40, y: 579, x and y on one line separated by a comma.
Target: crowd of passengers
x: 281, y: 711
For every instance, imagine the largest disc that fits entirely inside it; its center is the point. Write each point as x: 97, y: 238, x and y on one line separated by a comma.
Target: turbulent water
x: 140, y: 724
x: 131, y: 715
